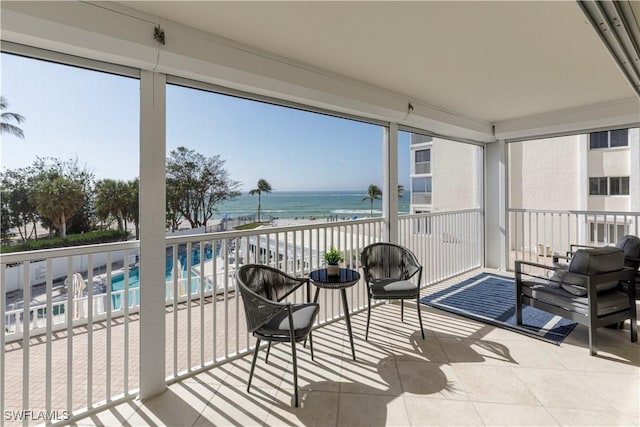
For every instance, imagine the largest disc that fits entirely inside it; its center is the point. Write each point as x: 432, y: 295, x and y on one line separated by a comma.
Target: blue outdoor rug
x: 491, y: 299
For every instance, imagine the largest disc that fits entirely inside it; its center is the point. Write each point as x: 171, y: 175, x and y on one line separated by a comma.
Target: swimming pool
x: 117, y: 280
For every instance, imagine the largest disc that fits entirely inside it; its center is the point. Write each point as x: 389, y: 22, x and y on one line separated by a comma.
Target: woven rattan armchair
x: 269, y: 317
x: 388, y: 270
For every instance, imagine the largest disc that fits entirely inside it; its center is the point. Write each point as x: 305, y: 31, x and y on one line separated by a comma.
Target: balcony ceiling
x: 491, y: 61
x: 473, y: 70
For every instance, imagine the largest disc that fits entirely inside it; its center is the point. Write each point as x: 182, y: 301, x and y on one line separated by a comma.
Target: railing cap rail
x: 576, y: 212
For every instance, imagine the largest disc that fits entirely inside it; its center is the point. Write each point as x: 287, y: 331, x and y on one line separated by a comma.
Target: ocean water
x: 304, y: 204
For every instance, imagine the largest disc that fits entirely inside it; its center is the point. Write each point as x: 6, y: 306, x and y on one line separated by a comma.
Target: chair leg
x: 253, y: 363
x: 266, y: 357
x: 402, y: 310
x: 295, y: 365
x: 311, y: 344
x: 420, y: 315
x: 366, y: 334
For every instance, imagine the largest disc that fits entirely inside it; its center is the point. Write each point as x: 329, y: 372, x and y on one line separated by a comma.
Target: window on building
x: 607, y: 139
x: 421, y: 191
x: 605, y: 233
x: 599, y: 139
x: 423, y: 156
x: 619, y: 185
x: 423, y: 161
x: 421, y: 185
x: 598, y: 186
x: 619, y: 138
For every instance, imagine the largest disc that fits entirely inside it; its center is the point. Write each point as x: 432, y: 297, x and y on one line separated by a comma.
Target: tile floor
x: 463, y: 373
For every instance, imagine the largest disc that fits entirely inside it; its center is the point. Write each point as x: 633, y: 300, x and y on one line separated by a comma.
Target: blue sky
x: 73, y: 113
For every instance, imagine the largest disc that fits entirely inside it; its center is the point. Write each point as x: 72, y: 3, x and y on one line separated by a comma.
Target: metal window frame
x: 69, y: 60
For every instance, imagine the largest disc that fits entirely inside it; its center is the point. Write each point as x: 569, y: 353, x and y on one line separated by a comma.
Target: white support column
x: 152, y: 233
x: 390, y: 187
x: 634, y: 167
x: 495, y: 206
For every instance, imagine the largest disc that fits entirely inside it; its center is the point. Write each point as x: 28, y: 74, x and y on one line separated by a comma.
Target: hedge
x: 90, y: 238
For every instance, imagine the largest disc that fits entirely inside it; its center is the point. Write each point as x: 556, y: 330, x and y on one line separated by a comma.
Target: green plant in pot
x: 333, y: 258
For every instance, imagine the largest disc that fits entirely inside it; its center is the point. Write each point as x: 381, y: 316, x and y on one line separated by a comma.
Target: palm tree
x: 400, y: 191
x: 373, y: 193
x: 6, y: 118
x: 58, y: 199
x: 263, y: 187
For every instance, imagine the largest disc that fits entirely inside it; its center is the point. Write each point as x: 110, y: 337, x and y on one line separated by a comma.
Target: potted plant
x: 333, y: 257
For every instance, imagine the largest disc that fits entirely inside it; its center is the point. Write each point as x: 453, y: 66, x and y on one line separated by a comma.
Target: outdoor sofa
x: 587, y: 290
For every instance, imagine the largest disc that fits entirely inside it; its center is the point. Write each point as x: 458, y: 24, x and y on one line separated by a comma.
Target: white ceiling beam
x: 618, y: 114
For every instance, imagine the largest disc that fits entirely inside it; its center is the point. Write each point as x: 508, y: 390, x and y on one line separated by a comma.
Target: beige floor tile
x: 585, y: 417
x: 496, y: 414
x: 633, y: 417
x: 316, y: 408
x: 531, y: 353
x: 180, y: 405
x: 624, y: 358
x: 620, y: 390
x: 474, y: 351
x: 116, y: 416
x: 371, y: 410
x: 440, y: 412
x: 496, y: 384
x: 369, y: 378
x: 420, y: 378
x: 561, y: 389
x: 265, y: 374
x: 234, y: 406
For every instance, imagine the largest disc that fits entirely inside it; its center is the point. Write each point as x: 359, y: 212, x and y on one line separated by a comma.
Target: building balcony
x: 84, y: 358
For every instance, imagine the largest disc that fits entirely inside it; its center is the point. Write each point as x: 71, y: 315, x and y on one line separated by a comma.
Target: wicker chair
x: 269, y: 317
x: 388, y: 269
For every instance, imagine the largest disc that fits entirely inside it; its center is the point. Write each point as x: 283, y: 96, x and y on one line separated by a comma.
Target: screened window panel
x: 599, y: 139
x: 421, y: 185
x: 619, y: 138
x: 619, y: 185
x: 423, y: 156
x: 598, y: 186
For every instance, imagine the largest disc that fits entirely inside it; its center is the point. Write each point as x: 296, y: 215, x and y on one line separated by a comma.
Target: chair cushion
x: 608, y: 302
x: 393, y: 288
x: 597, y: 260
x: 303, y: 318
x: 631, y: 247
x: 591, y: 262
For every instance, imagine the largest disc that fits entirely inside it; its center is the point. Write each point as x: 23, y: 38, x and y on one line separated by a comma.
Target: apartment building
x: 445, y: 175
x: 590, y: 173
x: 558, y: 188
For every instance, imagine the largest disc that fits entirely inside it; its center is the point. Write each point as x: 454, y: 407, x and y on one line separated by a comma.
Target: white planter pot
x: 333, y: 270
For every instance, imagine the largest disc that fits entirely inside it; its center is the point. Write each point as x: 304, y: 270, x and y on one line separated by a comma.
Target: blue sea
x: 305, y: 204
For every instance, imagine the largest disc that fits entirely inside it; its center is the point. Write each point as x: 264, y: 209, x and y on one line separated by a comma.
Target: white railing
x: 83, y: 343
x: 447, y: 243
x: 535, y: 235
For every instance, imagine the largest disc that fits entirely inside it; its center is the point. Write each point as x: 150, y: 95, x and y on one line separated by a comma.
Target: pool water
x: 117, y: 281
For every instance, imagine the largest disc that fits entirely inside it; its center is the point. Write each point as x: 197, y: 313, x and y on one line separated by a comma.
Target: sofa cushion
x: 597, y: 260
x: 631, y: 248
x: 556, y: 278
x: 592, y: 262
x: 608, y: 302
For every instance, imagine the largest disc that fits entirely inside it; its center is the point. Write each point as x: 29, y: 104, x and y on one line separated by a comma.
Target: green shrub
x: 90, y: 238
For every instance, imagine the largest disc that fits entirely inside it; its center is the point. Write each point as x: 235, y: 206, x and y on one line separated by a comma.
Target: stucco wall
x: 456, y: 182
x: 544, y: 174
